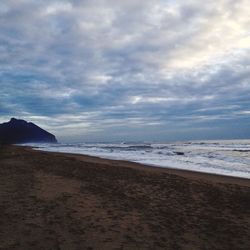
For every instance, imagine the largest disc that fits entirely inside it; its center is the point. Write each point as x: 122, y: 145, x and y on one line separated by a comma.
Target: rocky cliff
x: 20, y: 131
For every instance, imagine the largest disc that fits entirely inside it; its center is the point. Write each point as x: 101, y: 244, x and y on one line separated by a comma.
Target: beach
x: 68, y: 201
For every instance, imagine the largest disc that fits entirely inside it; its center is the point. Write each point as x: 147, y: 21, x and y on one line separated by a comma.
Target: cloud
x: 79, y: 67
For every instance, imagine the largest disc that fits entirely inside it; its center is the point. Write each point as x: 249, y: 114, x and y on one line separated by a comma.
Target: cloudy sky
x: 96, y: 70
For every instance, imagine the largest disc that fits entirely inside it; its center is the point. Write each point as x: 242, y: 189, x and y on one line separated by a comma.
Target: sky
x: 129, y: 70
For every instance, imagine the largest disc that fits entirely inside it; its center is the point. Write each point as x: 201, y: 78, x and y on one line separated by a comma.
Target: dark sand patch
x: 62, y: 201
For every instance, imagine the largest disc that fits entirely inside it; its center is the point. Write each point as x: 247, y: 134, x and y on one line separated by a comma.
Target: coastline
x: 226, y: 158
x: 180, y: 172
x: 68, y: 201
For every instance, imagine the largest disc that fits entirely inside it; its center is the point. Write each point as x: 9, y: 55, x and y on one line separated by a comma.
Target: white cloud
x: 57, y: 7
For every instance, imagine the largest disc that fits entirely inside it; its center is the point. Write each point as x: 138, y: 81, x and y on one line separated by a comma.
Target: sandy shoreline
x: 67, y: 201
x: 217, y: 178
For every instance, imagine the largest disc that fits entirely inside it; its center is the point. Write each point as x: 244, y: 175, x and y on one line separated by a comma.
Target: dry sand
x: 64, y: 201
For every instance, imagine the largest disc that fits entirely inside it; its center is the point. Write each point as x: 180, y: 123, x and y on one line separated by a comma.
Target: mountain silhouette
x: 21, y: 131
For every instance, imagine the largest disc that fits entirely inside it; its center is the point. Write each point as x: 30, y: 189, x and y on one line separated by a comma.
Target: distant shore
x: 227, y: 158
x: 217, y: 178
x: 68, y: 201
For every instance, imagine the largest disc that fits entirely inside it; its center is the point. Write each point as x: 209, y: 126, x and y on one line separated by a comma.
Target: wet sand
x: 65, y: 201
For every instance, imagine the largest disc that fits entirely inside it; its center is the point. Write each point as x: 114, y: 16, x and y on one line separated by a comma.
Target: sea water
x: 227, y: 157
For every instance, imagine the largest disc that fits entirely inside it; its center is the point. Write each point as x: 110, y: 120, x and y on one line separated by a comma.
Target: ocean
x: 223, y: 157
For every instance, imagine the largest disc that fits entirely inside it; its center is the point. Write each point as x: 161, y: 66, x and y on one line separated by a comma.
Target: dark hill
x: 20, y: 131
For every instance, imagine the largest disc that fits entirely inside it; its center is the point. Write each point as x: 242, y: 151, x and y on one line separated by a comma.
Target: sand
x: 64, y: 201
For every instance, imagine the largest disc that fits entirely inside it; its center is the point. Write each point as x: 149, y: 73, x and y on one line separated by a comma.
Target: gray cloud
x: 90, y: 67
